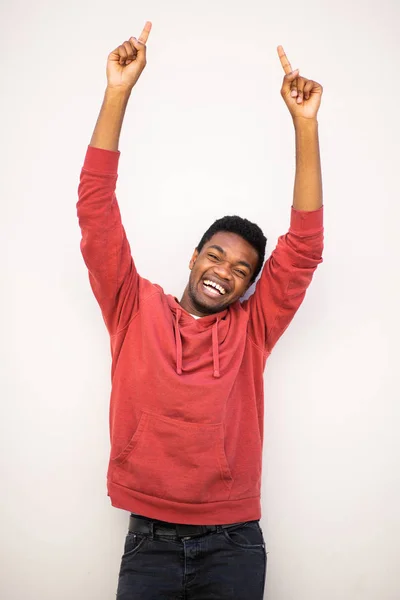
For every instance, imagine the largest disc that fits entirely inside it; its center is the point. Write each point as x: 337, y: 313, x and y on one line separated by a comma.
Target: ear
x: 193, y: 259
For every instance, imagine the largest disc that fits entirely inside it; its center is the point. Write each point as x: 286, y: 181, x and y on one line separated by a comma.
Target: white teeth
x: 215, y: 285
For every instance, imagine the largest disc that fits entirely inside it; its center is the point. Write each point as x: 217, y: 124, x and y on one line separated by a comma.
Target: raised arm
x: 104, y: 245
x: 289, y: 270
x: 303, y: 98
x: 124, y: 66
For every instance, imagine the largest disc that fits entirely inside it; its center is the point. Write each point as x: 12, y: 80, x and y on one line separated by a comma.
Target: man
x: 186, y: 409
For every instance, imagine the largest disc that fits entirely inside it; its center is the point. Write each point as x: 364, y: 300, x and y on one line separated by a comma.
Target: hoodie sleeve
x: 104, y: 245
x: 285, y: 278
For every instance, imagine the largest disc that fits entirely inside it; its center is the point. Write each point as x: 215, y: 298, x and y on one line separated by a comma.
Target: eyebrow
x: 239, y: 262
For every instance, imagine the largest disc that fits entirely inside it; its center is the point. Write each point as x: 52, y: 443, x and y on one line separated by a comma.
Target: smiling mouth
x: 212, y: 289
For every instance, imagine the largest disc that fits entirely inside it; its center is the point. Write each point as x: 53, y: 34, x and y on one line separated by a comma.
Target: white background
x: 206, y: 134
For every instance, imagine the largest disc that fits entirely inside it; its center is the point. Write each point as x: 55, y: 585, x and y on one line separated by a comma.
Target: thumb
x: 287, y: 80
x: 138, y: 44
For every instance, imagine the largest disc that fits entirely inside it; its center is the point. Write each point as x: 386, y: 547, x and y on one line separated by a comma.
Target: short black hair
x: 249, y: 231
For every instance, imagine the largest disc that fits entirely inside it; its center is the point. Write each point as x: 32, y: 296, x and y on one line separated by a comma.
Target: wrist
x: 118, y: 92
x: 305, y: 122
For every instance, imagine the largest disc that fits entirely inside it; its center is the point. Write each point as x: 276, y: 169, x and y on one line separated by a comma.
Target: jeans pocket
x: 249, y: 535
x: 133, y: 543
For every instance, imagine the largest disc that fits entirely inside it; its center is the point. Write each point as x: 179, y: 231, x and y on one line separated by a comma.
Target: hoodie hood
x: 214, y: 326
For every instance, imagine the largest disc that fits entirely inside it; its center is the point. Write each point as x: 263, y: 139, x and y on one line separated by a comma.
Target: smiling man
x: 225, y: 263
x: 187, y: 398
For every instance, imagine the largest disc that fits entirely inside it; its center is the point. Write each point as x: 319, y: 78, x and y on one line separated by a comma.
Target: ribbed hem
x: 101, y: 160
x: 209, y: 513
x: 306, y: 221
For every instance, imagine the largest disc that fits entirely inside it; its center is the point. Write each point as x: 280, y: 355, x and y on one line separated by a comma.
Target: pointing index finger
x: 284, y: 60
x: 145, y: 33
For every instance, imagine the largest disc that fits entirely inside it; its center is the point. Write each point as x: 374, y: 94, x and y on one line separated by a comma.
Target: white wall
x: 206, y: 134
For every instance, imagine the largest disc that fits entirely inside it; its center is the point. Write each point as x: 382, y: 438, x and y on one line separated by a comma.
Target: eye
x: 213, y: 256
x: 241, y: 273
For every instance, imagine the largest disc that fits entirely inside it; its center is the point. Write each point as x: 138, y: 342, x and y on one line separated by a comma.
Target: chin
x: 209, y: 308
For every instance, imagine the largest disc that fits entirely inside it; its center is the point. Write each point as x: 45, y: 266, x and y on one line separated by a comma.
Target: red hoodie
x: 187, y: 399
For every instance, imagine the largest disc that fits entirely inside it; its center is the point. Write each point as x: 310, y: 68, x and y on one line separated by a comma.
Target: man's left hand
x: 302, y: 96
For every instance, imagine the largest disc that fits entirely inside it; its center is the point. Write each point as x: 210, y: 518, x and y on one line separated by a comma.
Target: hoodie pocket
x: 176, y: 460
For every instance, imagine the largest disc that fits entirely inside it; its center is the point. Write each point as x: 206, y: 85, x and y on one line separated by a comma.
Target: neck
x: 188, y: 305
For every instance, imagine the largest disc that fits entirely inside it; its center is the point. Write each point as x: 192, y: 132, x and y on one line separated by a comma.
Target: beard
x: 204, y: 306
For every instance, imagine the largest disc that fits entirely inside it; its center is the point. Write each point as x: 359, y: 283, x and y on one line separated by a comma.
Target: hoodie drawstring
x: 178, y: 341
x: 215, y: 349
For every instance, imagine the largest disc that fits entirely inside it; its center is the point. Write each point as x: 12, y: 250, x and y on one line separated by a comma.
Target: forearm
x: 307, y: 193
x: 109, y: 123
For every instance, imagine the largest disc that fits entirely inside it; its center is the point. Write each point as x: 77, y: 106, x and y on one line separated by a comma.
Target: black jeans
x: 228, y: 564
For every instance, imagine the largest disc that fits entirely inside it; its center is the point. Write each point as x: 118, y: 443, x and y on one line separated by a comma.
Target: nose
x: 223, y: 271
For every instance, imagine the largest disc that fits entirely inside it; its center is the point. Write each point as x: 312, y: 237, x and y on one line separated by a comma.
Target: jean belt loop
x: 219, y: 528
x: 152, y: 530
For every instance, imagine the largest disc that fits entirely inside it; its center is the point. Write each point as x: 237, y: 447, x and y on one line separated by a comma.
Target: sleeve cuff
x: 101, y: 160
x: 306, y: 221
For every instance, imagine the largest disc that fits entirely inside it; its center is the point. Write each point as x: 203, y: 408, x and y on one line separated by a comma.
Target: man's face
x: 220, y: 273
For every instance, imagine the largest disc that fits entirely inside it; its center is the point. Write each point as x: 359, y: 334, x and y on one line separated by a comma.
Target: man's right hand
x: 126, y: 63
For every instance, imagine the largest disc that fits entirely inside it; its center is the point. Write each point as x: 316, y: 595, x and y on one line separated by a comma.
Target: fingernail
x: 293, y: 93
